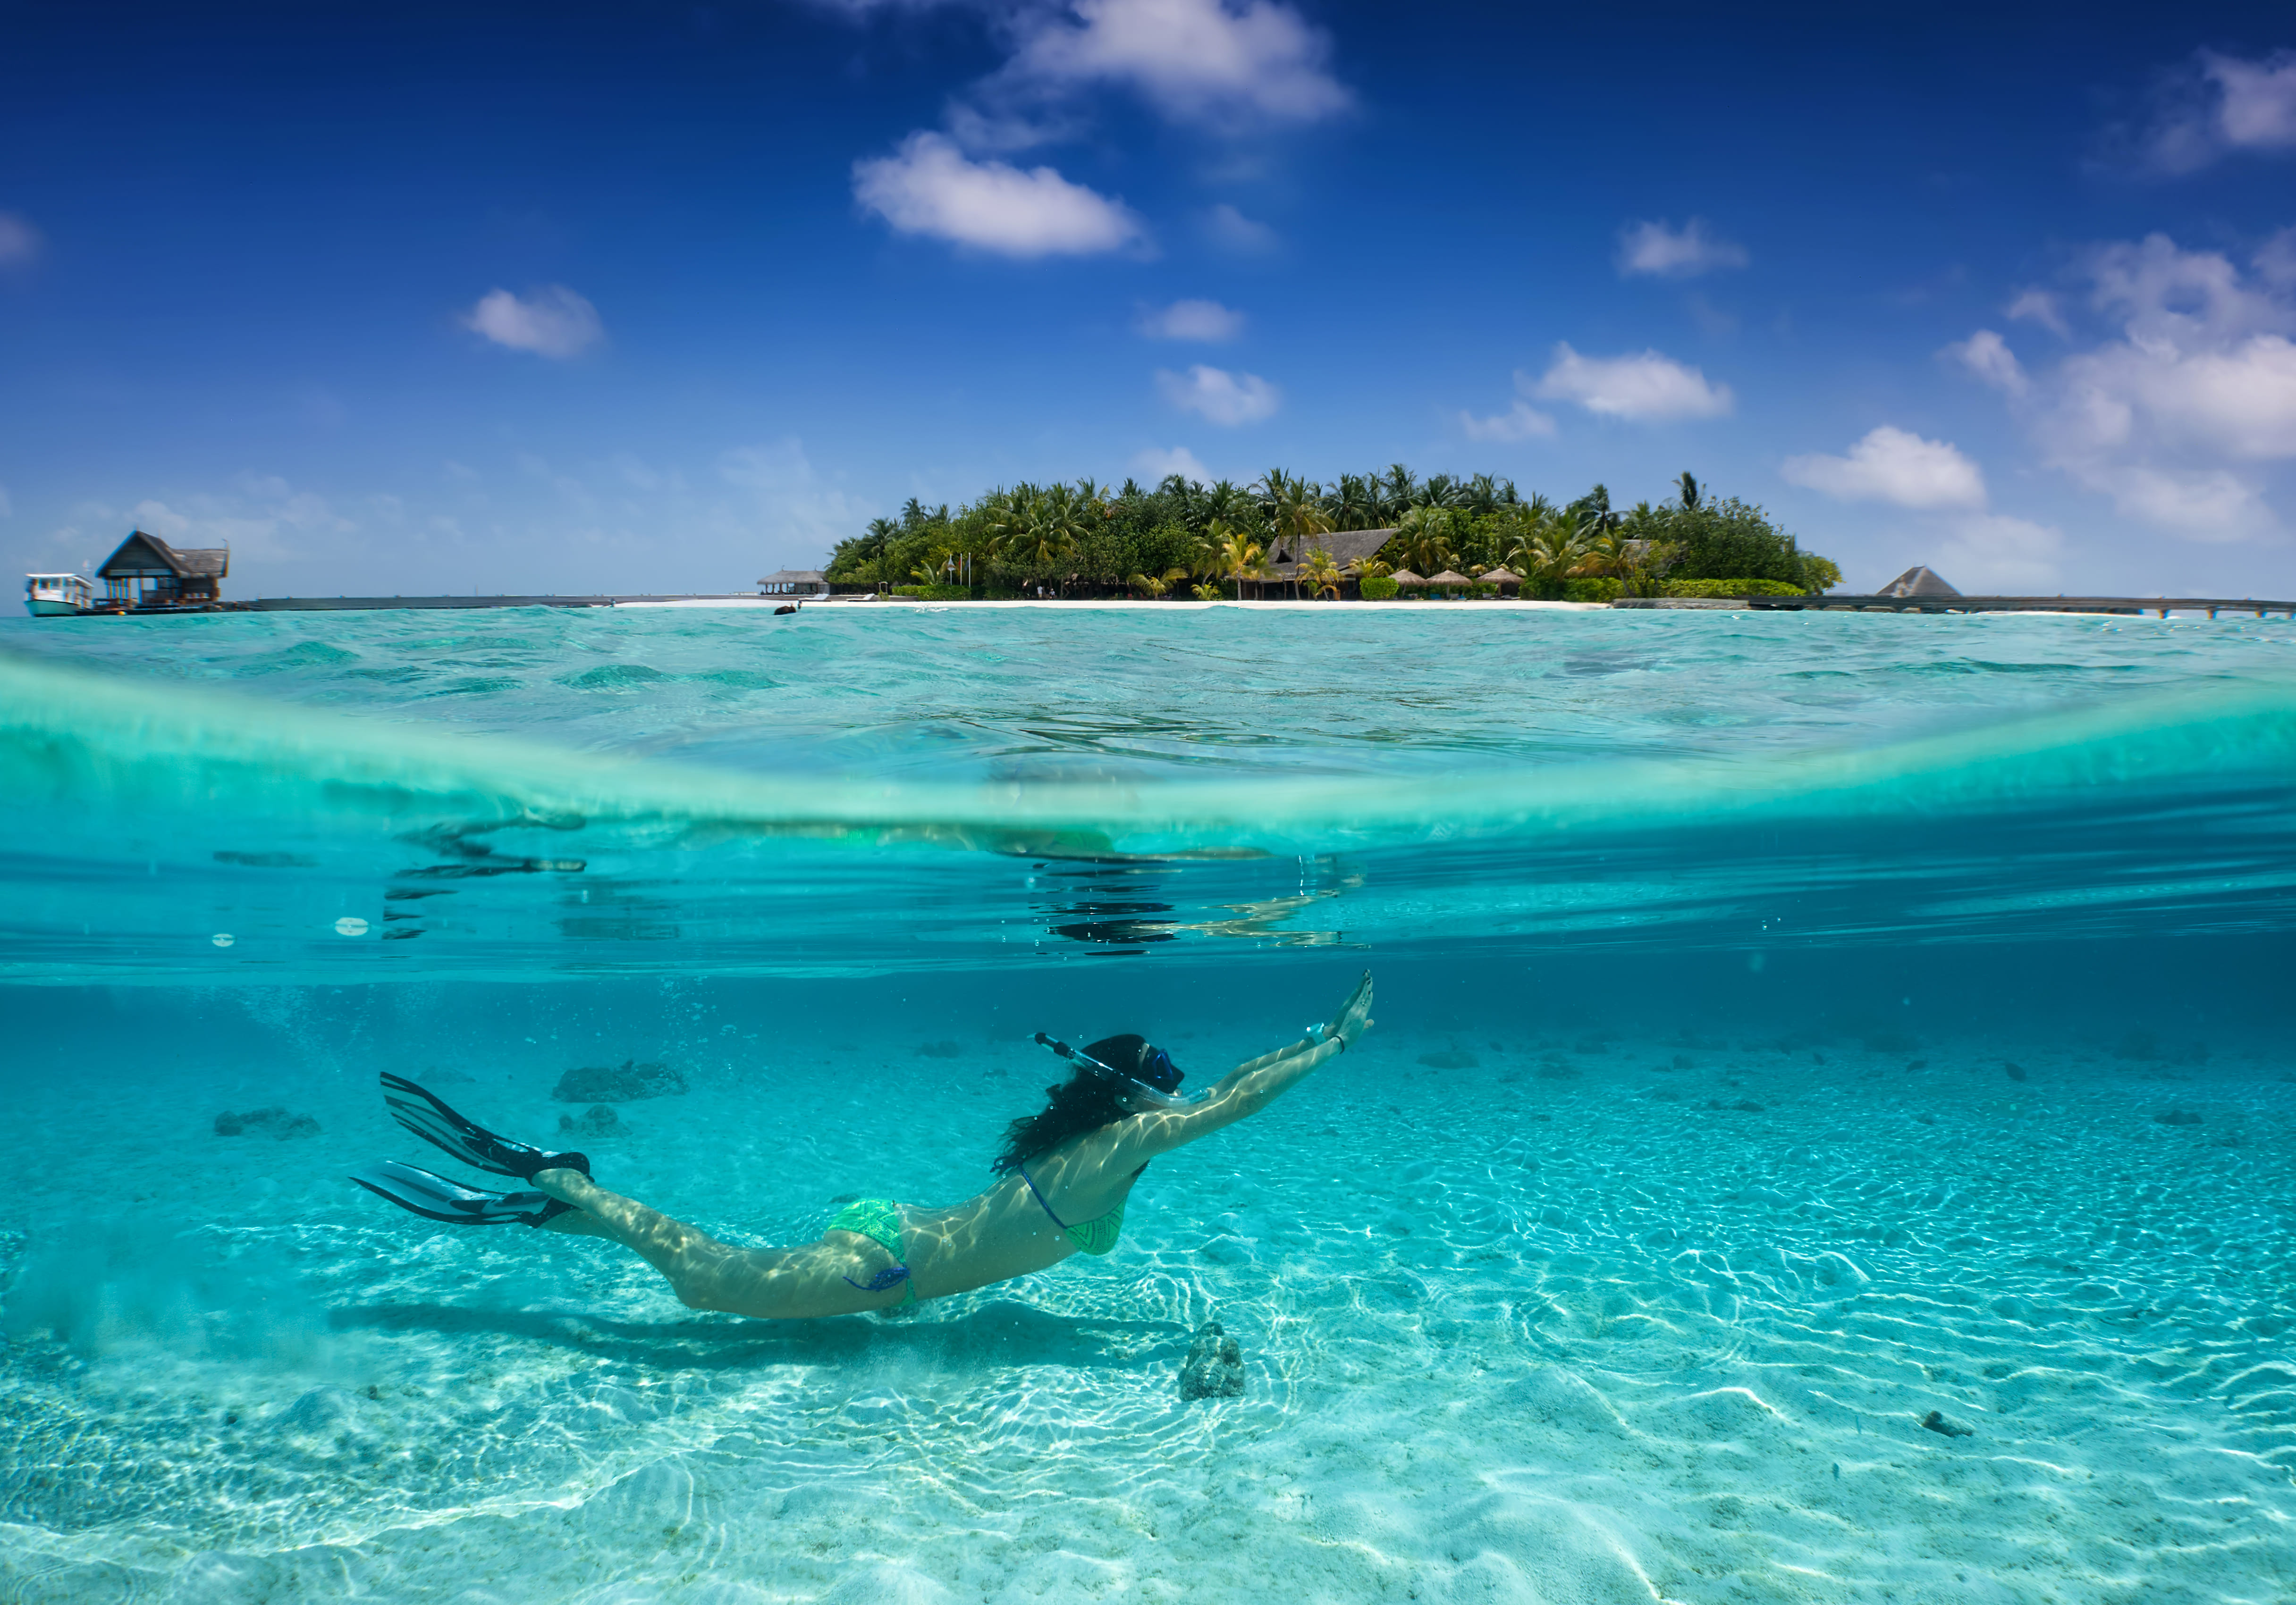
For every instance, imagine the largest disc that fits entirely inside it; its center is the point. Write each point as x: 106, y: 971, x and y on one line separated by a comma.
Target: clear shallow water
x: 1724, y: 934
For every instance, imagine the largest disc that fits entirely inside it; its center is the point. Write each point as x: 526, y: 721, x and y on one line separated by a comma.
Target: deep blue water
x: 1788, y: 1026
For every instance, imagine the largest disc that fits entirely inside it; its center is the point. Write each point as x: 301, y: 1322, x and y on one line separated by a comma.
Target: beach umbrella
x: 1499, y: 577
x: 1404, y: 577
x: 1449, y: 577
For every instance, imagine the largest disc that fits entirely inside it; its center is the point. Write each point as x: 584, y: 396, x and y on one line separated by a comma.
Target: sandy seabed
x: 1596, y: 1319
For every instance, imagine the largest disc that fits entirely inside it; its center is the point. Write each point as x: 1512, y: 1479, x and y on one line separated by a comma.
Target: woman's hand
x: 1354, y: 1018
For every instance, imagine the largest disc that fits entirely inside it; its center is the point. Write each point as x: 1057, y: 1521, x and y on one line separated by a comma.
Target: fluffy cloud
x: 262, y: 516
x: 2177, y: 414
x: 1893, y: 465
x: 1657, y: 250
x: 20, y: 241
x: 1645, y: 388
x: 1232, y: 231
x: 1218, y: 396
x: 1520, y: 421
x: 2222, y: 104
x: 552, y: 321
x: 787, y: 495
x: 930, y: 187
x: 1217, y: 63
x: 1993, y: 553
x: 2041, y: 308
x: 1191, y: 320
x: 1154, y: 465
x: 1988, y: 356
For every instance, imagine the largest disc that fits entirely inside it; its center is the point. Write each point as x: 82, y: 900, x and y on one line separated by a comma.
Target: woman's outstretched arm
x: 1253, y: 1085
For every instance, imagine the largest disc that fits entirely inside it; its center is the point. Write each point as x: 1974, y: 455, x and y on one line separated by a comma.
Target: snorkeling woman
x: 1062, y: 1181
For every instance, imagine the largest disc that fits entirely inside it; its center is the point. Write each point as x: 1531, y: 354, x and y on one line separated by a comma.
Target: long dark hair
x: 1085, y: 1102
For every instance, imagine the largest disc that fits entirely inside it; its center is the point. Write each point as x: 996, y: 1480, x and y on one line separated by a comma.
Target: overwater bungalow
x: 794, y: 582
x: 146, y: 572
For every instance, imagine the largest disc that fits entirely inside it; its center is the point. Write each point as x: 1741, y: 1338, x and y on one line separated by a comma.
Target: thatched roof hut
x: 1346, y: 546
x: 146, y: 571
x: 1920, y: 580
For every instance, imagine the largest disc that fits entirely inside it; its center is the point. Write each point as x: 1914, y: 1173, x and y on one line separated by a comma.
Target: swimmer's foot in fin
x: 426, y: 1115
x: 436, y: 1198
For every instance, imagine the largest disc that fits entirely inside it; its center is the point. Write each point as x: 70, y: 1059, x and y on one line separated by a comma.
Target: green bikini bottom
x: 878, y: 1219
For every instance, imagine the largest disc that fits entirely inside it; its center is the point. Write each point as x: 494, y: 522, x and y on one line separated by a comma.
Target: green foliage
x: 941, y: 593
x: 1593, y: 588
x: 1731, y: 539
x: 1727, y: 587
x: 1379, y: 588
x: 1086, y: 539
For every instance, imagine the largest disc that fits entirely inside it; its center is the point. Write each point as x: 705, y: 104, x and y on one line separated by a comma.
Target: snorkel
x: 1132, y: 1087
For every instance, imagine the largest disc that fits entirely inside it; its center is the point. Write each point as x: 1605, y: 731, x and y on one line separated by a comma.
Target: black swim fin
x: 436, y: 1198
x: 423, y: 1113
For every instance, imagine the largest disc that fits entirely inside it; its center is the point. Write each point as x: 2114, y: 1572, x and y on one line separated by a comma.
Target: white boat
x: 50, y: 594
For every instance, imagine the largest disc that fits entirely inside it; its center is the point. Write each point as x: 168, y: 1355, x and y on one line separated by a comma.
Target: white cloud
x: 1224, y: 64
x: 2177, y: 413
x: 2039, y: 306
x: 1991, y: 554
x: 1645, y: 386
x: 1154, y: 464
x: 1206, y: 321
x: 1988, y: 357
x: 1893, y: 465
x: 1657, y: 250
x: 2221, y: 105
x: 2276, y: 259
x: 929, y: 187
x: 261, y: 516
x: 1520, y: 421
x: 798, y: 508
x: 1218, y: 396
x: 1232, y: 231
x: 20, y: 241
x: 551, y: 322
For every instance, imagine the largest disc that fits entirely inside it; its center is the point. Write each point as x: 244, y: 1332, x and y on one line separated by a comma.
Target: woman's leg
x: 780, y: 1284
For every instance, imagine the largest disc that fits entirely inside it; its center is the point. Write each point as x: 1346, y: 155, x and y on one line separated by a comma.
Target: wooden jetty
x: 1888, y: 603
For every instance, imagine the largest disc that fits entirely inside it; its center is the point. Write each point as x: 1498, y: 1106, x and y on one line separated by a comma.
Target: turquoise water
x: 1789, y: 1026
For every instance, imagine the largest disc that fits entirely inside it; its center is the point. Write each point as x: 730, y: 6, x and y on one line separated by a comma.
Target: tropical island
x: 1380, y: 537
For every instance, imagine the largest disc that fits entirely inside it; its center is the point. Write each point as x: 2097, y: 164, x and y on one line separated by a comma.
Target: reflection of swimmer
x: 1062, y: 1180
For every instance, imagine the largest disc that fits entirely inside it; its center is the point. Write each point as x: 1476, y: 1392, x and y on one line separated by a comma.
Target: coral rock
x: 595, y: 1121
x: 271, y: 1122
x: 1214, y: 1368
x: 619, y: 1083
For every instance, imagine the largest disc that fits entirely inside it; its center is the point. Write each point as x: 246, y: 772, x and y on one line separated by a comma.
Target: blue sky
x: 601, y: 296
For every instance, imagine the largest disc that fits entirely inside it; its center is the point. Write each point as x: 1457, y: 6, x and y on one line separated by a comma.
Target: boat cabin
x: 146, y: 572
x: 47, y: 595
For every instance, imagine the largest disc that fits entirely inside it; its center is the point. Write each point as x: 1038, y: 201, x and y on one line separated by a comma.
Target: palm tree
x: 1239, y: 553
x: 1293, y: 511
x: 1321, y: 575
x: 1551, y: 548
x: 1423, y: 536
x: 1353, y: 504
x: 1686, y: 493
x: 1399, y: 488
